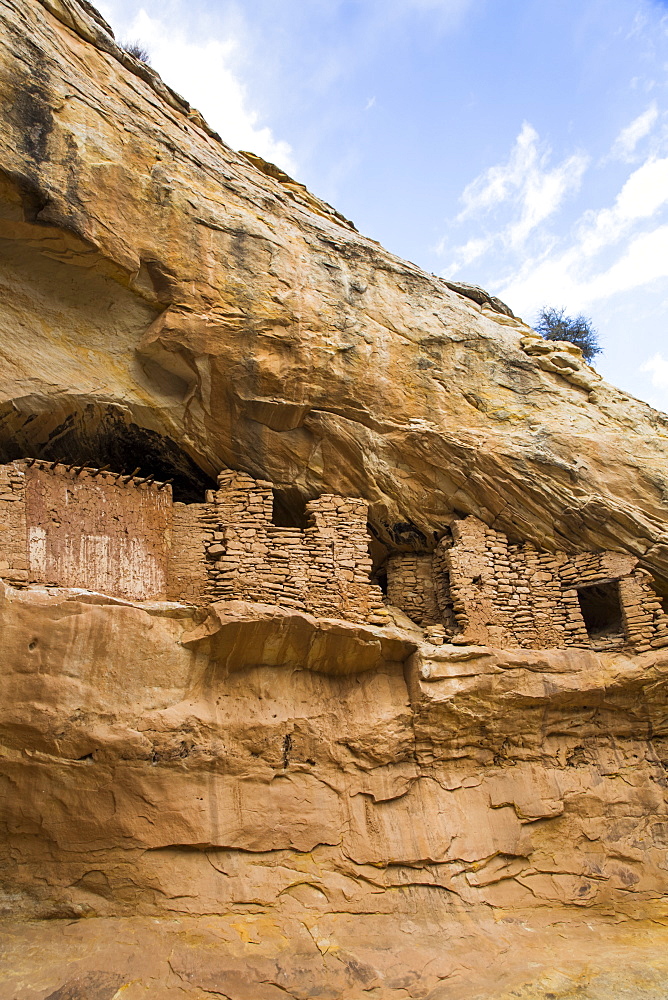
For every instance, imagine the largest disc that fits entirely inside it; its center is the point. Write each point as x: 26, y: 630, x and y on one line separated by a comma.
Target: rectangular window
x: 602, y: 613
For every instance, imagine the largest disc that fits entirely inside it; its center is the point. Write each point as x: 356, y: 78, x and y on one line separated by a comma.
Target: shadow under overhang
x: 241, y: 635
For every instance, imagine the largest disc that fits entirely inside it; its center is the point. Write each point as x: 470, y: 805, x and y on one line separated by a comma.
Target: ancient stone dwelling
x: 78, y: 527
x: 485, y: 590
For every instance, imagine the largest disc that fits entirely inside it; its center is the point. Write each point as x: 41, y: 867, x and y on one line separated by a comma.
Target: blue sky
x: 519, y: 145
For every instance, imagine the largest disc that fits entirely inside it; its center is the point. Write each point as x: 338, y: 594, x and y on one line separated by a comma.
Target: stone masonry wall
x: 492, y: 592
x: 77, y: 527
x: 87, y: 528
x: 505, y: 594
x: 13, y: 530
x: 323, y: 569
x: 411, y: 587
x: 97, y: 530
x: 645, y: 622
x: 194, y: 530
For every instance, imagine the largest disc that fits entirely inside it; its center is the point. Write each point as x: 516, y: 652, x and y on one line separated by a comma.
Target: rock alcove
x: 96, y: 435
x: 255, y: 800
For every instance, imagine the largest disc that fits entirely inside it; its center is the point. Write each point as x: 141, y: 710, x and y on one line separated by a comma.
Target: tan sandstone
x: 245, y: 774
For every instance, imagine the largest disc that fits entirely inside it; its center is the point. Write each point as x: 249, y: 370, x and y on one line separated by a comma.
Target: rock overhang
x: 394, y: 357
x: 347, y: 829
x: 239, y: 635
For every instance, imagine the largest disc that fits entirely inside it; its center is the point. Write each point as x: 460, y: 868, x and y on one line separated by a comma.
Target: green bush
x: 553, y: 324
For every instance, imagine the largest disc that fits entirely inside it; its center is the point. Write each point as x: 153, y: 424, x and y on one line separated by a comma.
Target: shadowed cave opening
x: 601, y: 610
x: 97, y: 435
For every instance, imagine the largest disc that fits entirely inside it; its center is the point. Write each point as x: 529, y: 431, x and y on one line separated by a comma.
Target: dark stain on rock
x: 34, y: 120
x: 403, y: 531
x: 287, y: 747
x: 31, y: 110
x: 33, y: 196
x: 162, y: 278
x: 89, y: 986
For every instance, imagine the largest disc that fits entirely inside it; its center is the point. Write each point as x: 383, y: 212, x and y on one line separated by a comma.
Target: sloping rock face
x: 151, y: 275
x: 255, y: 803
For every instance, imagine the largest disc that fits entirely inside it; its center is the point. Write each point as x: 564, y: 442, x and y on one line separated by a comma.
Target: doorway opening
x: 602, y: 613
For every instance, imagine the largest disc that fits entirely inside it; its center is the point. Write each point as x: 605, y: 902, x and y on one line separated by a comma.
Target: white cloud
x: 526, y: 186
x: 543, y: 193
x: 203, y: 73
x: 565, y: 276
x: 657, y: 368
x: 525, y: 181
x: 643, y: 193
x: 625, y: 144
x: 496, y: 184
x: 618, y: 248
x: 472, y: 250
x: 575, y: 276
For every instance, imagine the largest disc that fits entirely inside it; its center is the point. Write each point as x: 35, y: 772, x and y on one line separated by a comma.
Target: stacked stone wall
x: 13, y: 529
x: 411, y: 586
x: 493, y: 592
x: 339, y: 580
x: 504, y: 594
x: 645, y: 621
x: 195, y: 533
x: 442, y: 584
x: 323, y: 569
x: 78, y: 527
x: 478, y: 598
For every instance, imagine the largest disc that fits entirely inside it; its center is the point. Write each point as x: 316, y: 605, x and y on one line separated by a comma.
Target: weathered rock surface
x: 255, y: 803
x: 152, y: 275
x: 338, y: 831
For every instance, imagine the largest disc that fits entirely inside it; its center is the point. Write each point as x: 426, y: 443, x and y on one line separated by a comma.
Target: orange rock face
x: 247, y: 800
x: 322, y: 807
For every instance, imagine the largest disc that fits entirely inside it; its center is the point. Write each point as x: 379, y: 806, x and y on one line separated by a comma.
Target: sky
x: 518, y: 145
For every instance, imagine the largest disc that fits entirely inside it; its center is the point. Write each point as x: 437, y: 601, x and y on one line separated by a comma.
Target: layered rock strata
x: 279, y: 785
x: 373, y: 810
x: 154, y: 280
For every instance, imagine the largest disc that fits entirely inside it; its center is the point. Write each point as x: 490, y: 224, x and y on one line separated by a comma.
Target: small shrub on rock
x: 553, y: 324
x: 137, y: 50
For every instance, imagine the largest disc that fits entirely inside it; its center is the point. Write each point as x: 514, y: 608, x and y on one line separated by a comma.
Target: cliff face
x: 252, y: 802
x: 386, y: 821
x: 152, y: 275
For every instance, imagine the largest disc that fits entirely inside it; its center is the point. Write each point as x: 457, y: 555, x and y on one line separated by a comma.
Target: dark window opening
x: 289, y: 509
x: 380, y: 578
x: 96, y: 435
x: 601, y: 610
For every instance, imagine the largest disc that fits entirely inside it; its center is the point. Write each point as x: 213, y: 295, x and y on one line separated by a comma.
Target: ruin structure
x: 75, y: 527
x: 121, y: 535
x: 221, y: 773
x: 485, y: 590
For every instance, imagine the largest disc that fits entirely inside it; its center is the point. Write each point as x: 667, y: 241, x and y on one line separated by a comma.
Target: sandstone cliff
x: 247, y: 801
x: 156, y: 277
